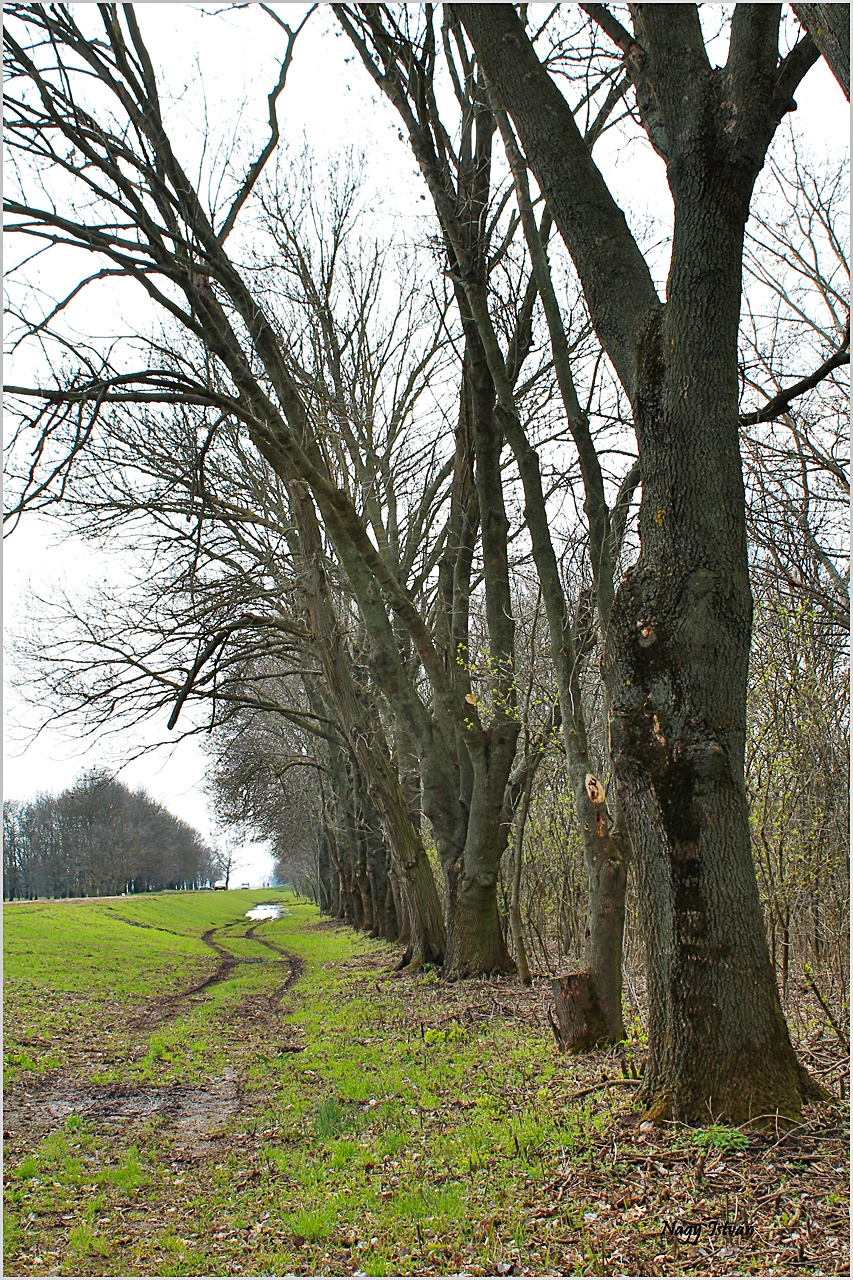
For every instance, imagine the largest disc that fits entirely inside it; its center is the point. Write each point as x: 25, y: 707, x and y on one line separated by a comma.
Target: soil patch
x: 195, y: 1115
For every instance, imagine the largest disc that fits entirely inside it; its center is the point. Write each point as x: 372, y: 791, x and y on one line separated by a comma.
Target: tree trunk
x: 377, y: 860
x: 580, y: 1021
x: 324, y: 873
x: 606, y: 850
x: 423, y: 910
x: 361, y: 869
x: 404, y: 933
x: 475, y: 939
x: 786, y: 951
x: 362, y: 900
x: 345, y: 907
x: 392, y: 924
x: 677, y: 655
x: 417, y: 881
x: 515, y: 886
x: 606, y: 864
x: 829, y: 27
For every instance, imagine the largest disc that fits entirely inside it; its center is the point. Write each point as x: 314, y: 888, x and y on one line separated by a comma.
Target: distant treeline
x: 99, y: 837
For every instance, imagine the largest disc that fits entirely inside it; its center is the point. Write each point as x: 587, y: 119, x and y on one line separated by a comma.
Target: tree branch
x: 257, y: 168
x: 829, y: 27
x: 614, y: 275
x: 779, y: 404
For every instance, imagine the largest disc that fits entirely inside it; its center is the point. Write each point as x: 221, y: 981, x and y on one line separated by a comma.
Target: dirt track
x: 164, y: 1009
x: 194, y: 1114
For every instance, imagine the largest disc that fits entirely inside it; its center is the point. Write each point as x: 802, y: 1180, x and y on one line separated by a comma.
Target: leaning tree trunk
x: 427, y: 932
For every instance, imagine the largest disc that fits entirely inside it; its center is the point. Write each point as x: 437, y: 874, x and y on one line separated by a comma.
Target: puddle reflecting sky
x: 267, y: 911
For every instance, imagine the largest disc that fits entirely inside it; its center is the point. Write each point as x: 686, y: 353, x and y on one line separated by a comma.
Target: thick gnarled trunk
x: 475, y: 938
x: 717, y: 1036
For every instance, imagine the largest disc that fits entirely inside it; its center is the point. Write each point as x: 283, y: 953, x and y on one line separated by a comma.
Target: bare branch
x: 781, y: 402
x: 258, y: 165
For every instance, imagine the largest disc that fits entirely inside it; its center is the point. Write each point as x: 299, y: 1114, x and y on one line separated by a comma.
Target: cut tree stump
x: 580, y: 1023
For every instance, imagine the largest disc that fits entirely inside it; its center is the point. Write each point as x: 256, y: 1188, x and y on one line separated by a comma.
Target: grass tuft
x: 719, y: 1137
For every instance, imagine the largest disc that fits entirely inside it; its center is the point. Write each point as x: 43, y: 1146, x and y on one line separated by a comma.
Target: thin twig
x: 780, y: 403
x: 602, y: 1084
x: 807, y: 974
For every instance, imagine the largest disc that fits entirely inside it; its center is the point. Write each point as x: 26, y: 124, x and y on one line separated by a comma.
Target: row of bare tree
x: 99, y: 838
x: 385, y: 495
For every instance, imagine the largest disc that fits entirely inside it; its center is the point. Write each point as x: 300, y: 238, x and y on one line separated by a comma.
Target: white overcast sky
x: 227, y: 61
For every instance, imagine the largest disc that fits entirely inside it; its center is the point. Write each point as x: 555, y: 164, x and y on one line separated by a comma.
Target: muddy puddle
x: 267, y: 911
x: 195, y: 1116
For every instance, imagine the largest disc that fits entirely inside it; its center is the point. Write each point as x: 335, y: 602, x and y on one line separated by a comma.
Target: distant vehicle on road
x: 244, y: 886
x: 220, y: 884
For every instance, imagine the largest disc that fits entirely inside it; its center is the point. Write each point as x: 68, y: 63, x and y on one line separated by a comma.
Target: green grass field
x: 352, y: 1121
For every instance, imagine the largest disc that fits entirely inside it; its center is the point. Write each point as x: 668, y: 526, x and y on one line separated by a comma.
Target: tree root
x: 811, y: 1090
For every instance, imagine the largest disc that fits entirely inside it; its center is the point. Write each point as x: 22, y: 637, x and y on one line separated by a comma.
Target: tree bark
x: 515, y: 924
x: 404, y: 935
x: 580, y: 1021
x: 475, y: 938
x: 476, y: 945
x: 324, y: 872
x: 392, y: 926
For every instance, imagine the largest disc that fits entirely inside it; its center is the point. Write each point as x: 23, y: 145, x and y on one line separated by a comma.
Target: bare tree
x: 401, y: 56
x: 677, y: 647
x: 395, y: 559
x: 253, y: 376
x: 180, y: 247
x: 796, y: 439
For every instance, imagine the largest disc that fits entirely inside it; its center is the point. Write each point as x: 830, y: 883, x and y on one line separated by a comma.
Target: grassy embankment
x: 352, y: 1121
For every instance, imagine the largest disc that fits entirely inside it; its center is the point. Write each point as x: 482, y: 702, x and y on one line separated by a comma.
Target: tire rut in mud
x: 297, y: 965
x: 164, y: 1009
x: 195, y: 1115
